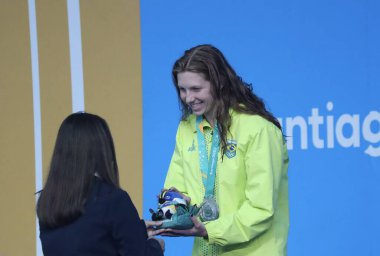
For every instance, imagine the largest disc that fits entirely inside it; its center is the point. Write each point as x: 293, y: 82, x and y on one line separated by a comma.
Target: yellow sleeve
x: 264, y: 167
x: 174, y: 176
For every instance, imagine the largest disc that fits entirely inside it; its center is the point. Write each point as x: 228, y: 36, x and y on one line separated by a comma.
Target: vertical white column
x: 36, y: 109
x: 75, y: 41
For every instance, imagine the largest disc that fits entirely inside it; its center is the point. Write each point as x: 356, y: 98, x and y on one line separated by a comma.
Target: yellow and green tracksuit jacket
x: 251, y: 187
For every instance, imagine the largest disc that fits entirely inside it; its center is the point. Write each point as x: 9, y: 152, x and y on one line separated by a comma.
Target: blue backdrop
x: 317, y: 66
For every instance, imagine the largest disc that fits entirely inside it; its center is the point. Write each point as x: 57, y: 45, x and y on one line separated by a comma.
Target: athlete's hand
x: 198, y: 229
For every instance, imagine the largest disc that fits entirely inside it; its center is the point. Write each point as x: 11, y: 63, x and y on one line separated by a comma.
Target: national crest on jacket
x: 231, y: 148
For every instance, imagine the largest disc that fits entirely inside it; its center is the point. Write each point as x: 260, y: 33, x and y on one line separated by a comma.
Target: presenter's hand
x: 151, y: 227
x: 198, y: 229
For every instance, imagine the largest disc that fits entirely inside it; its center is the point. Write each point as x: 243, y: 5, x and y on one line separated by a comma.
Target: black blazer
x: 109, y: 226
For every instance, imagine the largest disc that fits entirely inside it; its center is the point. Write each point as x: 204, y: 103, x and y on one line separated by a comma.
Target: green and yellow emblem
x: 231, y: 148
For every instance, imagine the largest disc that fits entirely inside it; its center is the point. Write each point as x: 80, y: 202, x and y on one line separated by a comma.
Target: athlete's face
x: 195, y: 91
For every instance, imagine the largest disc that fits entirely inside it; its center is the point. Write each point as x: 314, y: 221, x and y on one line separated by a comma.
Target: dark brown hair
x: 84, y: 147
x: 228, y: 89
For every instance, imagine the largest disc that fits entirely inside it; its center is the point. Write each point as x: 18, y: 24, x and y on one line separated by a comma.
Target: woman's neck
x: 210, y: 119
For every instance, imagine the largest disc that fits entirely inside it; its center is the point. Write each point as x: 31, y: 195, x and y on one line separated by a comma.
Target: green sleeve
x: 264, y: 162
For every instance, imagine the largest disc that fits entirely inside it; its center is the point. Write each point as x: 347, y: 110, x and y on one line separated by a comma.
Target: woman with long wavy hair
x: 230, y: 157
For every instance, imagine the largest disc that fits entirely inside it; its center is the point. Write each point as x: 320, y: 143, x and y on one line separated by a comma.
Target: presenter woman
x: 231, y: 158
x: 82, y: 210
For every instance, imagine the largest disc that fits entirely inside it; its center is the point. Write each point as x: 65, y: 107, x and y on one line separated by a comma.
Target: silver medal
x: 209, y: 209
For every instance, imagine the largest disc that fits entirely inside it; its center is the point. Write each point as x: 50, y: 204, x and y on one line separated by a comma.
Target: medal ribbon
x: 208, y: 166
